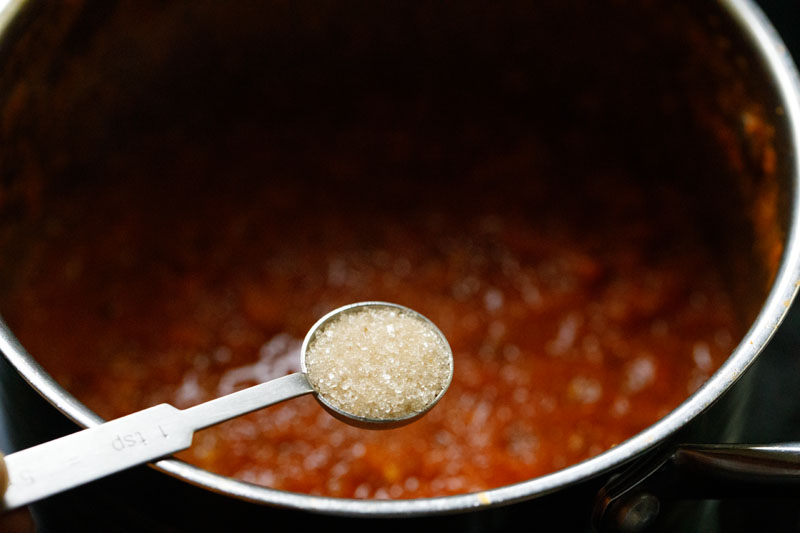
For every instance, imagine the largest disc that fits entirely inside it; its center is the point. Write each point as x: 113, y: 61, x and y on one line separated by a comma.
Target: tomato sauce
x: 578, y: 314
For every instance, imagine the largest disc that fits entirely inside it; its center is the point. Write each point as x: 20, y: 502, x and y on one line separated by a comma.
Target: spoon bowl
x: 393, y: 362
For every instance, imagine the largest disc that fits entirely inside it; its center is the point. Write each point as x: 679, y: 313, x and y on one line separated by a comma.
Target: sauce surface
x: 579, y: 312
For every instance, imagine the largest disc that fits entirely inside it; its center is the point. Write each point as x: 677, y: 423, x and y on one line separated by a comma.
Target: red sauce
x: 578, y: 313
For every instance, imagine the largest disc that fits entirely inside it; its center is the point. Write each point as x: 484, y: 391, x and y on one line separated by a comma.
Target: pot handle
x: 631, y: 500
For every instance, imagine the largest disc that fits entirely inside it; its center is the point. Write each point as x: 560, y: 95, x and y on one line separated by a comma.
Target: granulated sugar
x: 379, y: 363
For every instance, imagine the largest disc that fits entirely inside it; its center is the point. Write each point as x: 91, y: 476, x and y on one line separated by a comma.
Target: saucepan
x: 451, y: 149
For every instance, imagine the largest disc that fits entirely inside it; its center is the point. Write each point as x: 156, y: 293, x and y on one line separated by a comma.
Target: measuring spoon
x: 61, y: 464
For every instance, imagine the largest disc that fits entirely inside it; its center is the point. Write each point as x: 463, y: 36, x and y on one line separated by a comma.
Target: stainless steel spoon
x: 41, y: 471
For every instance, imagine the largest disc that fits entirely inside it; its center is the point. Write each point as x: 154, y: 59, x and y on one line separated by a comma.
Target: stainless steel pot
x: 741, y: 54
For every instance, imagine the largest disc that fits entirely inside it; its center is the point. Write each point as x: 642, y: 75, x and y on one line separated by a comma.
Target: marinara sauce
x: 580, y: 310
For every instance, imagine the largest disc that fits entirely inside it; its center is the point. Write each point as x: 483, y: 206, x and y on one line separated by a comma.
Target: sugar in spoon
x: 371, y: 364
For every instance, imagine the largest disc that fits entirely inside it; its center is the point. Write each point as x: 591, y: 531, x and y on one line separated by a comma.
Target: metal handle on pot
x: 630, y: 502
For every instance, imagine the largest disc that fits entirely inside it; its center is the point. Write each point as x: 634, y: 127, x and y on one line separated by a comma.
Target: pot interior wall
x: 121, y: 91
x: 339, y: 116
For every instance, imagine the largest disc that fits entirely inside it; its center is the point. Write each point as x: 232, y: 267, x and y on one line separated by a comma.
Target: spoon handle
x: 93, y: 453
x: 64, y: 463
x: 244, y: 401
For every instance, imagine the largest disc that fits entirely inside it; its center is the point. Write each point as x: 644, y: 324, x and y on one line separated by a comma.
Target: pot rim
x: 767, y: 43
